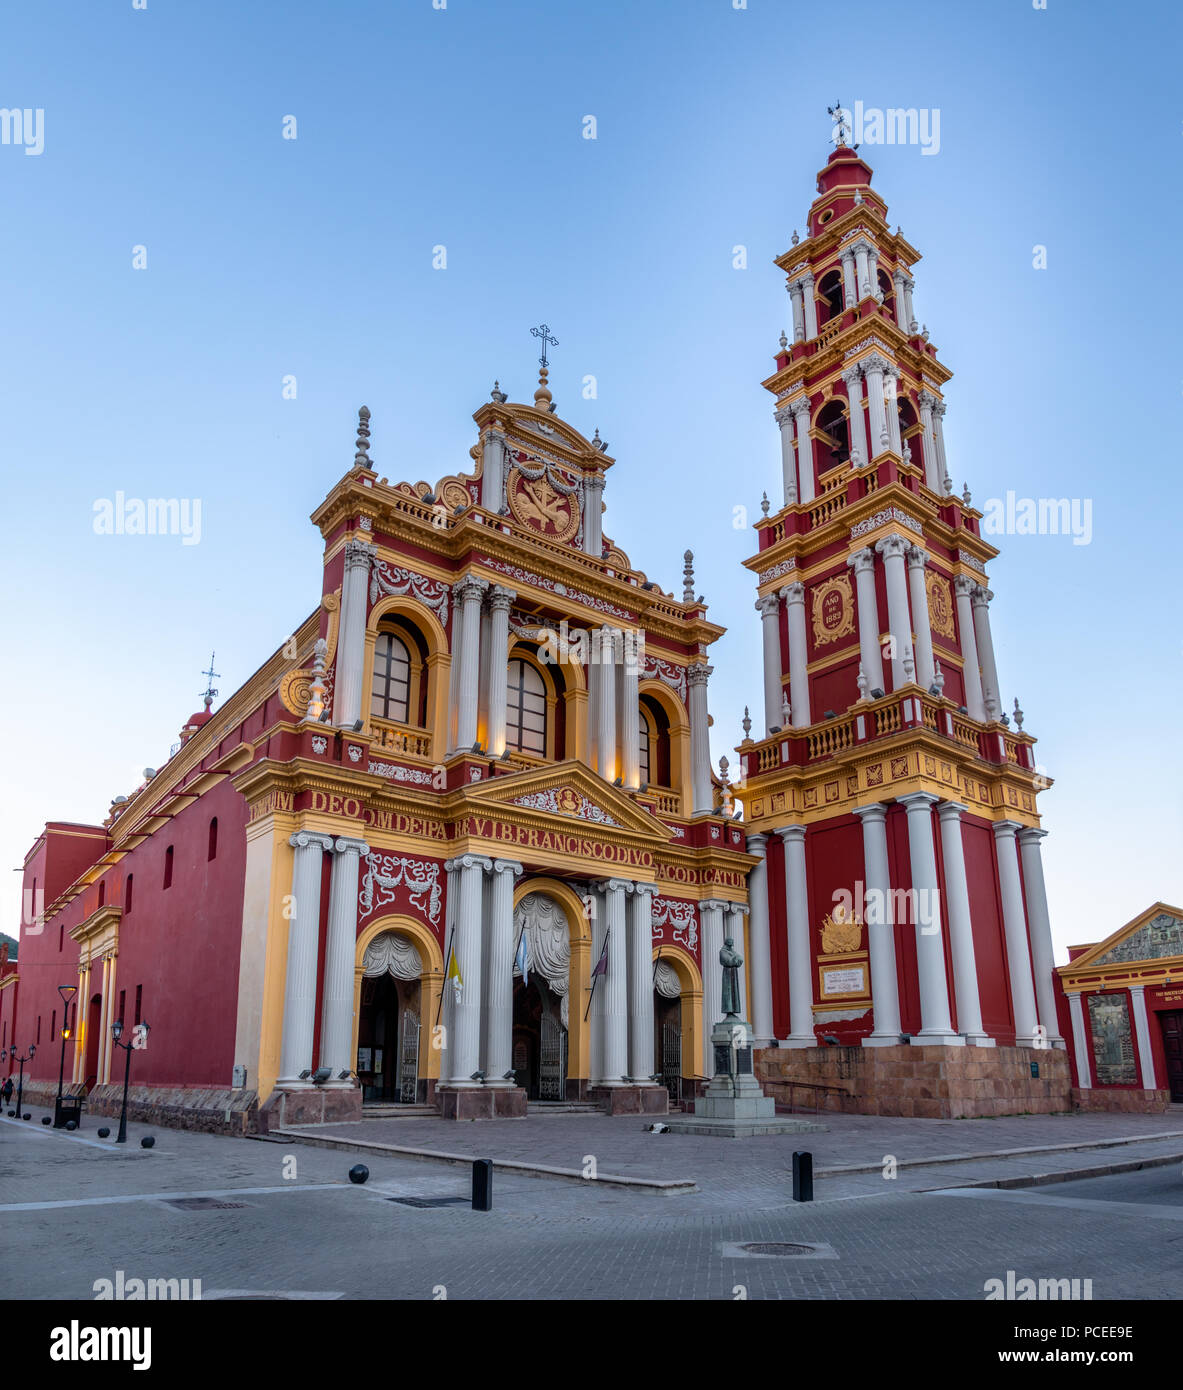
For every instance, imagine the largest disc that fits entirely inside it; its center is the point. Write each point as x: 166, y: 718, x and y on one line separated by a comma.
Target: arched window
x: 525, y: 709
x: 644, y: 723
x: 127, y: 887
x: 391, y: 694
x: 834, y: 448
x: 168, y: 867
x: 831, y: 294
x: 102, y: 894
x: 213, y: 839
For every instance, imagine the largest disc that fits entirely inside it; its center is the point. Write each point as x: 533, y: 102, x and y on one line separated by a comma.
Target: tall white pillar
x: 640, y: 979
x: 465, y: 1037
x: 849, y: 288
x: 1014, y: 925
x: 630, y: 711
x: 853, y: 377
x: 901, y: 308
x: 492, y: 471
x: 925, y: 669
x: 614, y: 985
x: 892, y: 406
x: 1082, y: 1041
x: 336, y: 1021
x: 961, y: 932
x: 794, y: 597
x: 500, y: 602
x: 899, y: 620
x: 499, y: 984
x: 1039, y: 931
x: 909, y: 286
x: 733, y: 928
x: 788, y: 462
x: 874, y: 367
x: 880, y: 919
x: 800, y: 953
x: 806, y: 491
x: 963, y: 588
x: 299, y: 1003
x: 1142, y: 1036
x: 807, y: 290
x: 938, y: 425
x: 768, y: 608
x: 593, y: 515
x: 980, y: 601
x: 759, y: 943
x: 606, y: 706
x: 936, y: 1021
x: 710, y: 912
x: 351, y: 645
x: 102, y: 1074
x: 457, y: 646
x: 870, y: 654
x: 873, y: 270
x: 932, y: 472
x: 469, y: 592
x: 797, y: 296
x: 703, y: 799
x: 862, y: 274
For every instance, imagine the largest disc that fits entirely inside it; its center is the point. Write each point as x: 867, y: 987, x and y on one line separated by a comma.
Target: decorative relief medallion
x: 418, y: 878
x: 295, y: 689
x: 899, y: 767
x: 391, y: 579
x: 541, y: 499
x: 319, y: 744
x: 842, y: 932
x: 940, y: 604
x: 566, y: 801
x: 833, y: 610
x: 401, y: 774
x: 680, y: 917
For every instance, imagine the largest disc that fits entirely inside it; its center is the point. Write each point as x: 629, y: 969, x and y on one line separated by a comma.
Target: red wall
x: 981, y: 873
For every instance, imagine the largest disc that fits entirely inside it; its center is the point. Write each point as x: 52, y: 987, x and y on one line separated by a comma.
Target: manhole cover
x: 204, y: 1204
x: 777, y: 1250
x: 430, y: 1201
x: 772, y: 1247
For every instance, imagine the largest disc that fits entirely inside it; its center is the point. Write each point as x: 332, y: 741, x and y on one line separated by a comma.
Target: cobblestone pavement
x: 76, y: 1209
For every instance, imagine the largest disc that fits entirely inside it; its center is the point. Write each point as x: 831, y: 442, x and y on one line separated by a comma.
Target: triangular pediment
x: 1156, y: 934
x: 570, y: 792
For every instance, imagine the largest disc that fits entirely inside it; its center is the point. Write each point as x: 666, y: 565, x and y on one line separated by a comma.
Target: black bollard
x: 70, y: 1126
x: 802, y: 1176
x: 104, y: 1132
x: 482, y: 1184
x: 148, y: 1141
x: 358, y: 1173
x: 46, y: 1119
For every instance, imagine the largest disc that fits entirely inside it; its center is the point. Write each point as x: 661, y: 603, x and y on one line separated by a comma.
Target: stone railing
x: 401, y: 738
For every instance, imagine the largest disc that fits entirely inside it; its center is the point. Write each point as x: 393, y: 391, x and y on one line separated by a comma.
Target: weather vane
x: 209, y: 692
x: 841, y: 118
x: 542, y: 332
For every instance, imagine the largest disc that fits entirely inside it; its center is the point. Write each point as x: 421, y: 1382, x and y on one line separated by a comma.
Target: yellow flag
x: 454, y: 974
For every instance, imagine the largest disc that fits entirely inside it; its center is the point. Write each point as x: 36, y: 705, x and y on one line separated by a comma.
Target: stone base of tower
x: 481, y: 1102
x: 310, y: 1105
x: 931, y: 1083
x: 630, y: 1100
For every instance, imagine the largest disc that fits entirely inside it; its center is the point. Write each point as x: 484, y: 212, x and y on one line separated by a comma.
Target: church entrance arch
x: 390, y: 1020
x: 542, y: 1003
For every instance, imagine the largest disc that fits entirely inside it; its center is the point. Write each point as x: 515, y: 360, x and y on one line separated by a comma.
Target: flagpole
x: 595, y: 977
x: 447, y: 961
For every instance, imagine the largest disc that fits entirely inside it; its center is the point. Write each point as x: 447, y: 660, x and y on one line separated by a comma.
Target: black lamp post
x: 17, y: 1057
x: 67, y: 992
x: 139, y: 1039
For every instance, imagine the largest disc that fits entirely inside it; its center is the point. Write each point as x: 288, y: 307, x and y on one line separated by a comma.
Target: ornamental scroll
x: 833, y: 610
x: 295, y: 689
x: 391, y: 579
x: 386, y: 872
x: 940, y: 605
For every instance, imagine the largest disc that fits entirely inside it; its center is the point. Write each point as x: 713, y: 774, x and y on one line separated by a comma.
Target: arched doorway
x: 540, y: 1000
x: 389, y: 1020
x: 667, y: 1028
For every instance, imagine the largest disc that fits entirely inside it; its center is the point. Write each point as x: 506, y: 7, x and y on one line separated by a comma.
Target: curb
x: 1099, y: 1170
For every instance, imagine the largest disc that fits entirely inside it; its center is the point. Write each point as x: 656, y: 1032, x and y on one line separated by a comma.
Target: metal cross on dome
x: 209, y: 692
x: 542, y: 332
x: 841, y: 118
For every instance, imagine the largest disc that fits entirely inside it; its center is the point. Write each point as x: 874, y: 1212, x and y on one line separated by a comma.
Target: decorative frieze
x: 393, y: 579
x: 540, y: 581
x: 416, y: 775
x: 881, y: 518
x: 682, y: 919
x: 776, y: 571
x: 418, y: 878
x: 565, y: 801
x: 971, y: 560
x: 666, y: 672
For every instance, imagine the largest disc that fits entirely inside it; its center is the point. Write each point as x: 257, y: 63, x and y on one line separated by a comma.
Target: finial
x: 907, y: 452
x: 209, y: 692
x: 938, y: 682
x: 497, y: 393
x: 924, y: 332
x: 786, y: 710
x: 948, y: 485
x: 796, y: 238
x: 542, y: 397
x: 784, y: 341
x: 837, y: 114
x: 362, y: 458
x: 316, y: 688
x: 746, y: 721
x: 858, y: 196
x: 965, y: 495
x: 688, y: 577
x: 1018, y: 716
x: 914, y: 327
x: 864, y: 685
x: 909, y: 667
x: 884, y: 437
x: 726, y: 797
x: 764, y: 504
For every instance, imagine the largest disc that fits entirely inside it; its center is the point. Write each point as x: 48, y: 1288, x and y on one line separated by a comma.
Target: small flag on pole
x: 522, y: 959
x: 601, y: 967
x: 454, y: 975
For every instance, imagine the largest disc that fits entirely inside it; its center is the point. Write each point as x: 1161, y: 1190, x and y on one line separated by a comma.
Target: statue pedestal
x: 734, y: 1106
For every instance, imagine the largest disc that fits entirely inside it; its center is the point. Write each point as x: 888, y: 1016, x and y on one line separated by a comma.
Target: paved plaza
x: 280, y: 1219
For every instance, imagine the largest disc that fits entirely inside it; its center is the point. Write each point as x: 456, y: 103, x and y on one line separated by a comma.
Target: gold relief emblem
x: 833, y: 610
x: 811, y: 796
x: 852, y: 785
x: 875, y: 775
x: 940, y: 604
x: 831, y: 790
x: 899, y: 767
x: 538, y: 505
x: 930, y: 764
x: 842, y: 932
x: 758, y: 809
x: 567, y: 801
x: 778, y: 801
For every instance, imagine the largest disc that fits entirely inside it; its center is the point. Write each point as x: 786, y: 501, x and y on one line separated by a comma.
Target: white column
x: 901, y: 308
x: 457, y: 640
x: 850, y: 290
x: 1039, y: 931
x: 980, y: 600
x: 925, y: 669
x: 733, y: 928
x: 870, y: 655
x: 938, y: 425
x: 469, y: 592
x: 963, y: 587
x: 800, y: 951
x: 759, y: 943
x: 768, y: 608
x: 797, y: 296
x: 606, y: 706
x: 465, y: 1037
x: 874, y: 367
x: 936, y: 1022
x: 1142, y: 1034
x: 492, y: 471
x: 932, y: 472
x: 299, y: 1004
x: 351, y: 645
x: 1082, y: 1041
x: 593, y: 517
x: 1014, y: 924
x: 909, y: 286
x: 961, y: 932
x: 805, y: 487
x: 499, y: 984
x: 102, y: 1072
x: 853, y: 377
x: 614, y: 985
x: 807, y: 283
x: 873, y: 270
x: 336, y: 1021
x: 640, y: 977
x: 880, y: 919
x: 794, y: 597
x: 899, y: 621
x: 892, y: 406
x: 710, y: 912
x: 500, y: 602
x: 788, y: 462
x: 862, y: 276
x: 700, y: 739
x: 630, y: 711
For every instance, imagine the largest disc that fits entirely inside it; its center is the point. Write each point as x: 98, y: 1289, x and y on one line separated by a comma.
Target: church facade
x: 459, y: 841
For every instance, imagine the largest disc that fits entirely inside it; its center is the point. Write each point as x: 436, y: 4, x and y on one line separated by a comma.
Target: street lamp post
x: 139, y: 1039
x: 67, y: 992
x: 22, y: 1059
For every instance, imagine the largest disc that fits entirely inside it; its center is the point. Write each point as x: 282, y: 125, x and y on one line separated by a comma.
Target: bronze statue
x: 730, y: 960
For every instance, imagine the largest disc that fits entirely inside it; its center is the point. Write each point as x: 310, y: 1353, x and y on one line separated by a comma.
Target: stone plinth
x: 630, y: 1099
x: 1127, y: 1099
x: 312, y: 1105
x: 481, y: 1102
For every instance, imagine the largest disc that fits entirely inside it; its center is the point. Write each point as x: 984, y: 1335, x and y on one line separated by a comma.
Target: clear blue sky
x: 462, y: 127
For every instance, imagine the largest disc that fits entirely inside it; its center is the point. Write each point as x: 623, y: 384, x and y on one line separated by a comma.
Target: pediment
x: 1156, y: 934
x: 570, y: 792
